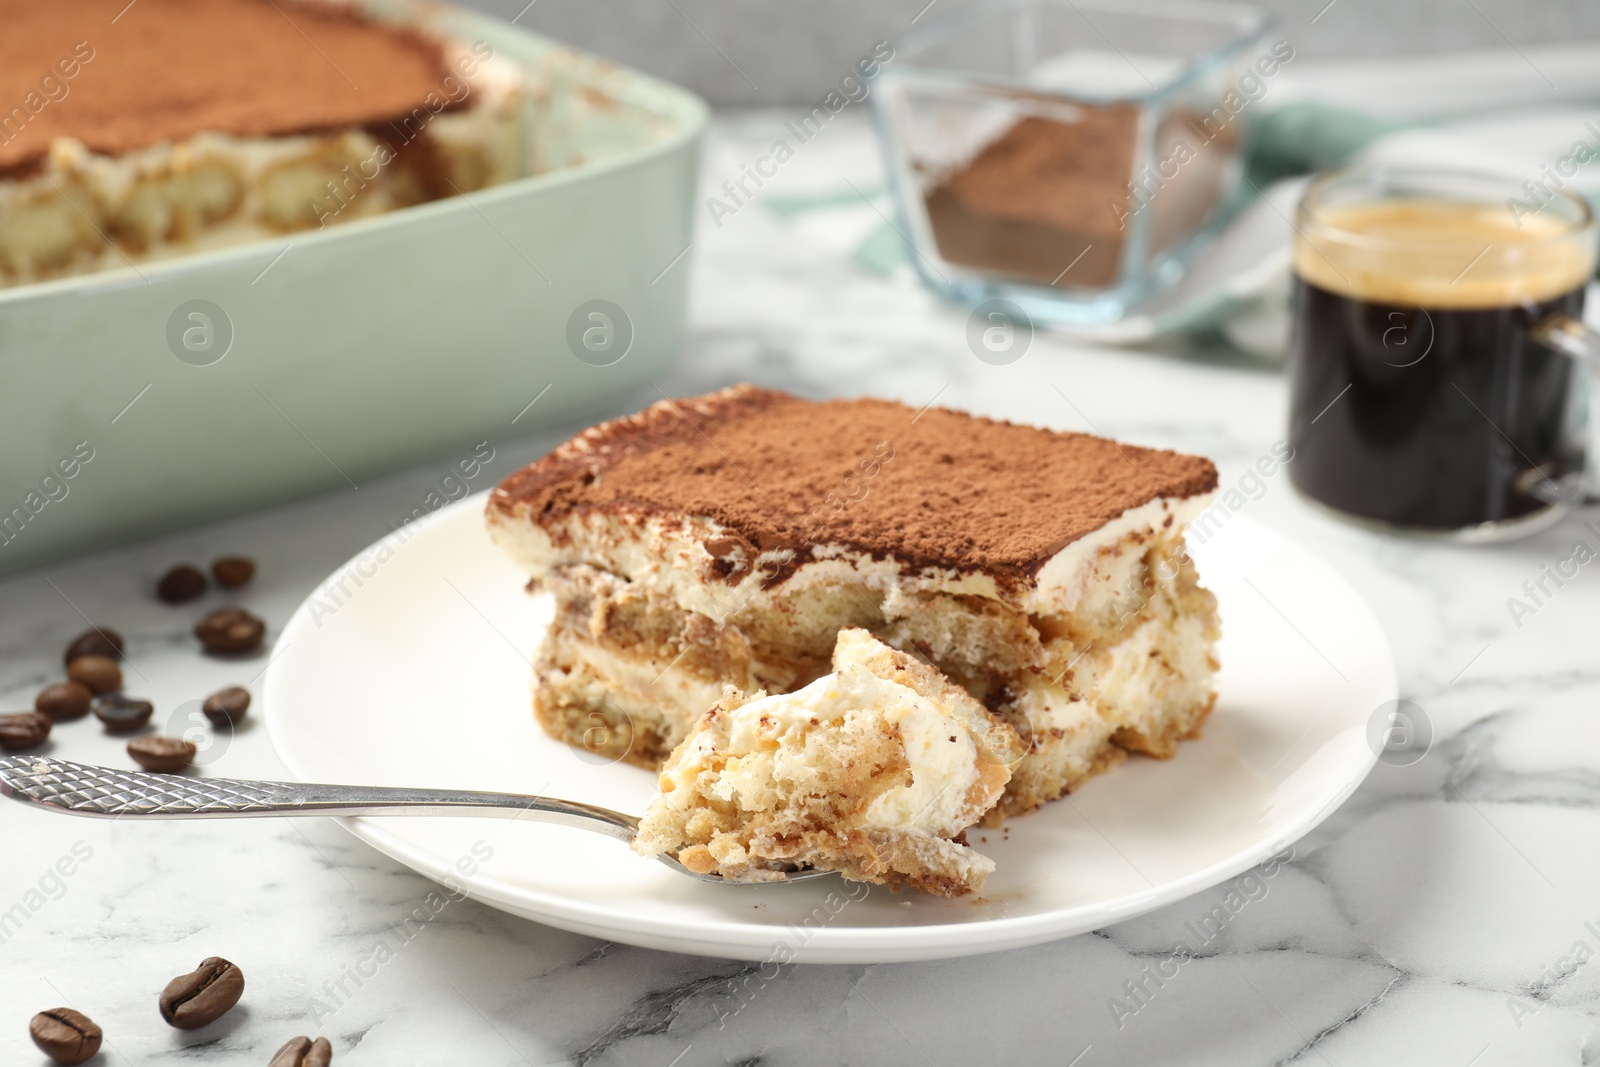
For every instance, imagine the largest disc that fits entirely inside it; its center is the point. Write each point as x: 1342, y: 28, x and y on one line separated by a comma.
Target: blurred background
x: 787, y: 51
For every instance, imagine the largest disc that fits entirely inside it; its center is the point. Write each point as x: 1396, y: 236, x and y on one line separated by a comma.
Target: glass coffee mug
x: 1437, y: 382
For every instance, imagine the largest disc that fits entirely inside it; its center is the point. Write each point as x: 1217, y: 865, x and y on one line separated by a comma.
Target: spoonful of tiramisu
x: 874, y: 771
x: 107, y: 793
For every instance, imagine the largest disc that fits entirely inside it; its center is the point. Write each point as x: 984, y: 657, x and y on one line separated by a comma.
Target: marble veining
x: 1448, y: 914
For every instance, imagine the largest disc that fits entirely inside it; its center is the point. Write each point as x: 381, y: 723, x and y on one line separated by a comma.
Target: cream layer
x: 668, y: 557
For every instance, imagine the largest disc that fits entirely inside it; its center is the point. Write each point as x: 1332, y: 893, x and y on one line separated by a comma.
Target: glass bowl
x: 1070, y: 156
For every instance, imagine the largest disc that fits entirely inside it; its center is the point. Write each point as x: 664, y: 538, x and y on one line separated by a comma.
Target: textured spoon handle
x: 107, y: 793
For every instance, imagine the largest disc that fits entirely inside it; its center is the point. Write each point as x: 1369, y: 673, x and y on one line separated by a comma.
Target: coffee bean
x: 100, y: 641
x: 182, y: 583
x: 64, y: 1035
x: 63, y: 700
x: 98, y: 674
x: 202, y: 996
x: 122, y: 714
x: 233, y: 571
x: 230, y: 630
x: 24, y: 729
x: 304, y: 1052
x: 163, y: 755
x: 227, y: 706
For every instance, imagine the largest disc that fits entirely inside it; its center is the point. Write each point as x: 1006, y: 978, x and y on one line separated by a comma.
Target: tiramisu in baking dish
x: 133, y: 131
x: 728, y: 540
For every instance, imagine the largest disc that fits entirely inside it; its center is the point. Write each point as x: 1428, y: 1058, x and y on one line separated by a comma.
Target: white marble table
x: 1445, y: 915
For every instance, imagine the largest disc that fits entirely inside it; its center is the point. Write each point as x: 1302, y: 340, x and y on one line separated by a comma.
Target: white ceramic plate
x: 410, y: 666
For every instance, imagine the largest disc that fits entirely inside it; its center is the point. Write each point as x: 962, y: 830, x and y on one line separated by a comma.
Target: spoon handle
x: 103, y: 792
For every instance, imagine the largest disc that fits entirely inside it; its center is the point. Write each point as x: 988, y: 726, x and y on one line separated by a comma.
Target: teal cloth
x: 1305, y: 137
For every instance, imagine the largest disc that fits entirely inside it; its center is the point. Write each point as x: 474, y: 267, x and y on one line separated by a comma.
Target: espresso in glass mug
x: 1436, y: 380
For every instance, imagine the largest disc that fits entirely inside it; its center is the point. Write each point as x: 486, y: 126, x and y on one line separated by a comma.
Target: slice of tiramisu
x: 875, y: 771
x: 729, y: 538
x: 136, y: 131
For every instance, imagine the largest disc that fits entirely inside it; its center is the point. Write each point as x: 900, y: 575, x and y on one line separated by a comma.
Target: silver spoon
x: 102, y: 792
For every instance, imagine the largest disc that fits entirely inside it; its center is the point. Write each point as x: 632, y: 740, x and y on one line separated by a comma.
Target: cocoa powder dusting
x: 943, y: 489
x: 1043, y: 200
x: 169, y: 69
x: 1069, y: 175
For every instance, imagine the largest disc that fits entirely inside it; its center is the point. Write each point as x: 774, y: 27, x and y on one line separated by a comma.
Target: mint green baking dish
x: 361, y: 348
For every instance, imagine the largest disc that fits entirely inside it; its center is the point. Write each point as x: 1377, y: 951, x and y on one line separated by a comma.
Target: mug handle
x: 1570, y: 337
